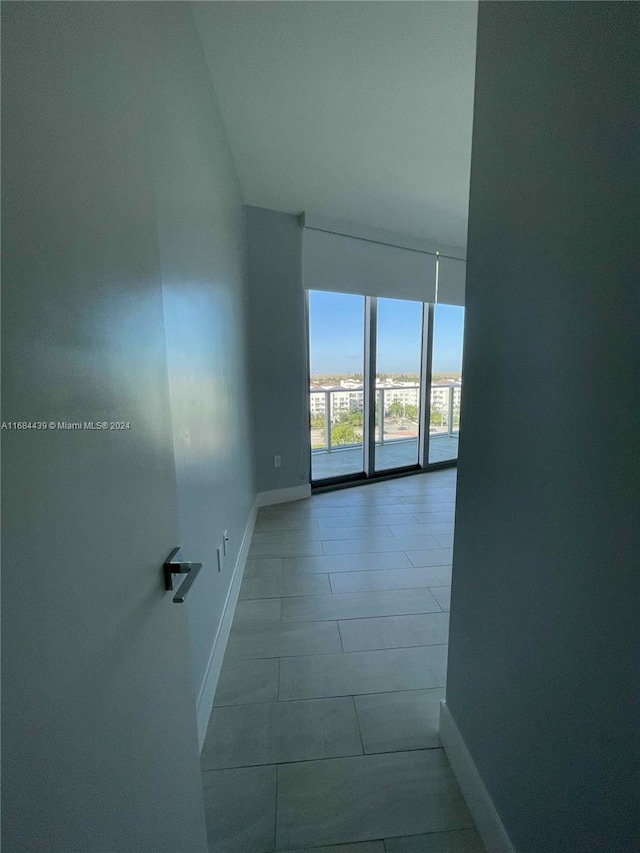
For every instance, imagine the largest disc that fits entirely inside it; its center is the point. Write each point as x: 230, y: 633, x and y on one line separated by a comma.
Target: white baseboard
x: 485, y: 816
x: 204, y: 704
x: 280, y: 496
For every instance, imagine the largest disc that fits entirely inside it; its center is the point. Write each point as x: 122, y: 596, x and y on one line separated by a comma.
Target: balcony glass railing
x: 337, y: 415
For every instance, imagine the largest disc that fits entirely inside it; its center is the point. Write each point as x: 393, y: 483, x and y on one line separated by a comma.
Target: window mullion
x: 369, y: 414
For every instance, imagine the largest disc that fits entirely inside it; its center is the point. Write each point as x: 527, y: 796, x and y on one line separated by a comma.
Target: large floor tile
x: 281, y: 731
x: 361, y: 511
x: 390, y: 722
x: 413, y: 486
x: 266, y: 566
x: 390, y: 579
x: 258, y: 612
x: 434, y: 503
x: 353, y: 673
x: 429, y: 488
x: 301, y: 509
x: 365, y: 518
x: 287, y: 537
x: 303, y: 505
x: 284, y: 549
x: 431, y: 517
x: 398, y: 518
x: 458, y: 841
x: 394, y: 632
x: 357, y: 605
x: 432, y: 528
x: 357, y: 497
x: 279, y: 585
x: 371, y: 545
x: 297, y: 537
x: 429, y: 493
x: 274, y: 641
x: 347, y: 562
x: 273, y: 514
x: 431, y: 557
x: 358, y: 847
x: 445, y: 539
x: 417, y: 529
x: 428, y: 505
x: 432, y: 511
x: 240, y: 807
x: 401, y: 509
x: 282, y: 522
x: 443, y: 596
x: 247, y: 681
x: 363, y: 531
x: 367, y: 797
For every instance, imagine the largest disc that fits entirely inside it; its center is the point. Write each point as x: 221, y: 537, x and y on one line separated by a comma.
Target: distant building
x: 348, y: 396
x: 406, y: 393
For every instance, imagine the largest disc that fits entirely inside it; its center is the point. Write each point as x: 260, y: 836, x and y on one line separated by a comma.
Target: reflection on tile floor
x: 324, y: 732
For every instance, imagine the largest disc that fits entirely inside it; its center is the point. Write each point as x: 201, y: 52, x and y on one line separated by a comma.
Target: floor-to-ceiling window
x: 336, y: 392
x: 398, y: 383
x: 446, y: 382
x: 385, y: 385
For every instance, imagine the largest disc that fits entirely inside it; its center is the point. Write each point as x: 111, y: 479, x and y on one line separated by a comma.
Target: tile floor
x: 324, y: 732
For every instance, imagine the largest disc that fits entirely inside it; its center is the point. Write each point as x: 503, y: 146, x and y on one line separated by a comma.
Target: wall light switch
x: 277, y: 461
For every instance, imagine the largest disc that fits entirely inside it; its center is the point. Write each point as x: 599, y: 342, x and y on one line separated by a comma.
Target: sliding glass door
x: 446, y: 382
x: 398, y: 383
x: 336, y: 392
x: 385, y: 385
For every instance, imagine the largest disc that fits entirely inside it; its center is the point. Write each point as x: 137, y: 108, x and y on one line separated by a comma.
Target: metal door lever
x: 178, y: 567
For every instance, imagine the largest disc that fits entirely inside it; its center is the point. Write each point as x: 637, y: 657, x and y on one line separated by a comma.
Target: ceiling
x: 360, y: 111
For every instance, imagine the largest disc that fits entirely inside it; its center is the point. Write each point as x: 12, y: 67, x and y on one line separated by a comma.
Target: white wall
x: 542, y: 678
x: 201, y: 235
x: 278, y: 346
x: 120, y: 209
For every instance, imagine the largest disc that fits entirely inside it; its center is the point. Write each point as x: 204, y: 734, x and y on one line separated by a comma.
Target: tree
x: 317, y: 421
x: 396, y: 409
x: 411, y: 412
x: 343, y: 433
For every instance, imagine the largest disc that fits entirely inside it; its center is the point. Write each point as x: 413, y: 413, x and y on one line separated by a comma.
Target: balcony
x: 336, y: 428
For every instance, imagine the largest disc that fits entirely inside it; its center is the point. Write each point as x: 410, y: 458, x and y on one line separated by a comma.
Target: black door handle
x: 173, y: 567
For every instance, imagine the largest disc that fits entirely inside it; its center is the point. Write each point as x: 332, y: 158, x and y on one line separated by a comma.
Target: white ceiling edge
x: 379, y: 235
x: 360, y: 112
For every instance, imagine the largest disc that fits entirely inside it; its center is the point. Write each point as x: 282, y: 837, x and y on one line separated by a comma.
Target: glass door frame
x: 371, y: 357
x: 369, y: 474
x: 426, y: 376
x: 369, y: 400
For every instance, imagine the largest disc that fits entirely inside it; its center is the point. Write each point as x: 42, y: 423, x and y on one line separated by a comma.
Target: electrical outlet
x: 225, y: 542
x: 220, y: 558
x: 277, y: 461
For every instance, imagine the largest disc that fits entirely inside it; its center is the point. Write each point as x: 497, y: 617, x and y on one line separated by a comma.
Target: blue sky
x: 337, y: 331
